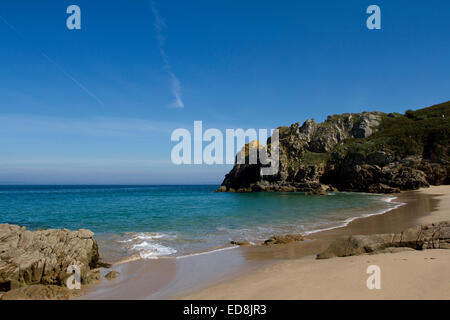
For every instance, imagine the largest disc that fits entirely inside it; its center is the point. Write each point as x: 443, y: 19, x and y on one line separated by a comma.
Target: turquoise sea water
x: 176, y: 220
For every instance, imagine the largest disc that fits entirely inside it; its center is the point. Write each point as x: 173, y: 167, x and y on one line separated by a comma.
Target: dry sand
x: 404, y: 275
x: 442, y: 211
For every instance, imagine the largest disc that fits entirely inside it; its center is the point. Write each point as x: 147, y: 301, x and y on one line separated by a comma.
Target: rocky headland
x: 34, y: 264
x: 368, y: 152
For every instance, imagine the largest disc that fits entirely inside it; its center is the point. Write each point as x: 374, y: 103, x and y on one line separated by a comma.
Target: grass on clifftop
x: 424, y: 131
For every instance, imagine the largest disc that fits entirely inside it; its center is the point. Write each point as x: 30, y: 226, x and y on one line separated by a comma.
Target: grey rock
x: 430, y: 236
x: 366, y: 124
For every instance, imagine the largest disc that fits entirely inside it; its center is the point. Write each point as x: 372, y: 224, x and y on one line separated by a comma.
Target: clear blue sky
x: 96, y: 105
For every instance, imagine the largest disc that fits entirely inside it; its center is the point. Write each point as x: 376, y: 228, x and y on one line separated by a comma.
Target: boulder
x: 43, y: 256
x: 39, y: 292
x: 431, y: 236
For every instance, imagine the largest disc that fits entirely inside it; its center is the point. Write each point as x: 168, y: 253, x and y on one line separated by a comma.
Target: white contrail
x: 175, y: 82
x: 78, y: 83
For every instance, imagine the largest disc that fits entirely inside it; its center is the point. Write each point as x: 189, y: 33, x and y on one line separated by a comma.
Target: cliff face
x: 369, y: 151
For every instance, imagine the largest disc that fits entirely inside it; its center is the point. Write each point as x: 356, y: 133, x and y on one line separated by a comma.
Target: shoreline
x: 408, y: 274
x: 178, y: 277
x: 390, y: 198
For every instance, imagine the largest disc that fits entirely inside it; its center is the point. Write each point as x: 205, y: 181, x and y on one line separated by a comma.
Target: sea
x: 156, y: 221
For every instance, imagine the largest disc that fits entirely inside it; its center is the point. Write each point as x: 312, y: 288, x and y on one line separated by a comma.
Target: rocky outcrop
x: 356, y: 172
x: 370, y: 152
x: 431, y: 236
x: 39, y: 292
x: 43, y: 256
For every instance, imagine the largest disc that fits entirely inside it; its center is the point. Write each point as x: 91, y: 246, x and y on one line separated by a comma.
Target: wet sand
x: 165, y: 278
x: 136, y: 280
x: 261, y: 272
x: 443, y: 206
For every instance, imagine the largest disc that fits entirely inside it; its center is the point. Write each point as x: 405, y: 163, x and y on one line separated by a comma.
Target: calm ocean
x: 154, y: 221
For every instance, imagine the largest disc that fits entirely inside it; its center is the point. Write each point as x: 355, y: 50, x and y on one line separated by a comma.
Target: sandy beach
x: 292, y: 272
x: 409, y: 274
x: 442, y: 212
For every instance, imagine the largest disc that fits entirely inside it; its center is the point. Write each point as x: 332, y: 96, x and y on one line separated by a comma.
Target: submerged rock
x: 431, y: 236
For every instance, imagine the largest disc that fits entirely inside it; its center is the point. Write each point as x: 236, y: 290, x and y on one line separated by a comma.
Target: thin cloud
x: 159, y: 25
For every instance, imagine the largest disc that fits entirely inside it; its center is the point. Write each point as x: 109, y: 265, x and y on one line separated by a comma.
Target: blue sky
x: 96, y: 105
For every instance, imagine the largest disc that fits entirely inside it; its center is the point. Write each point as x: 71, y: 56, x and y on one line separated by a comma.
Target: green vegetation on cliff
x: 423, y: 132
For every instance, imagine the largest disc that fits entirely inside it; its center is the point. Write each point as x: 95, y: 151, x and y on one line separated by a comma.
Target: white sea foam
x: 206, y: 252
x: 145, y: 236
x: 146, y: 244
x: 153, y: 250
